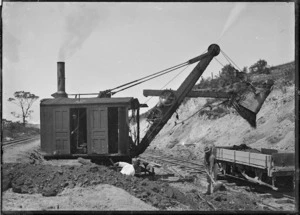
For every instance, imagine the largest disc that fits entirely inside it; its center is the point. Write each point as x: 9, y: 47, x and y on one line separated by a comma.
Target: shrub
x: 17, y: 129
x: 260, y: 67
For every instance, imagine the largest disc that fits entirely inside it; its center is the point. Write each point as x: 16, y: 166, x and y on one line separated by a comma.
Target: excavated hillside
x: 224, y: 127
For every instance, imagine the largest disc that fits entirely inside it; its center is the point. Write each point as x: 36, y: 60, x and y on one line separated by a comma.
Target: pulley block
x: 167, y: 98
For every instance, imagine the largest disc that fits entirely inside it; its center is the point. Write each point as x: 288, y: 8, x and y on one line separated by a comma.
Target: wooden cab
x: 86, y: 127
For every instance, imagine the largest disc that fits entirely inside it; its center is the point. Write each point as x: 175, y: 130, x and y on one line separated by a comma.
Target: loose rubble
x: 50, y: 180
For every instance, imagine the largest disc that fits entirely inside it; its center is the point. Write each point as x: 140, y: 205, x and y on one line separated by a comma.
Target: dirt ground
x: 35, y: 184
x: 99, y: 197
x: 30, y: 183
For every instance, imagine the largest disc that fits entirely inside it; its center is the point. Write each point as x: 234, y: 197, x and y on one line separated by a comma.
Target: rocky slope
x: 275, y: 122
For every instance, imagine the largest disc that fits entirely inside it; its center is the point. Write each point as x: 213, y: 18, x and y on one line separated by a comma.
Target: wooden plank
x: 61, y: 134
x: 242, y: 157
x: 228, y: 155
x: 176, y: 172
x: 98, y: 141
x: 259, y: 159
x: 47, y: 120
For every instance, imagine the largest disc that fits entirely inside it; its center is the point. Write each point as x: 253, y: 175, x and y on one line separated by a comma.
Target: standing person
x: 211, y: 166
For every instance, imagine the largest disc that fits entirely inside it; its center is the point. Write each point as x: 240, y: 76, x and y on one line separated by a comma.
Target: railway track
x: 194, y: 167
x: 188, y: 166
x: 18, y: 141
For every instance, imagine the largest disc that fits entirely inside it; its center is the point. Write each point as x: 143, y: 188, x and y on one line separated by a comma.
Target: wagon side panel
x: 244, y: 158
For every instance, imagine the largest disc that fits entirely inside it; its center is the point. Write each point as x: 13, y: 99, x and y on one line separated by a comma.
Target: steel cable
x: 229, y: 59
x: 157, y: 75
x: 166, y: 72
x: 219, y: 62
x: 182, y: 121
x: 168, y: 82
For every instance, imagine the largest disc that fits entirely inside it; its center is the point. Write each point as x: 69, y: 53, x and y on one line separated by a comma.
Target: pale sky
x: 108, y: 44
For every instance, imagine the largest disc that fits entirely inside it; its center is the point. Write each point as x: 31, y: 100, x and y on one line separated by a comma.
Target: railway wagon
x: 265, y: 166
x: 93, y: 128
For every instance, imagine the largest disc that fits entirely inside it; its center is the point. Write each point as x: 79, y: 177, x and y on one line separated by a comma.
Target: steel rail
x: 186, y: 161
x: 18, y: 141
x: 178, y: 162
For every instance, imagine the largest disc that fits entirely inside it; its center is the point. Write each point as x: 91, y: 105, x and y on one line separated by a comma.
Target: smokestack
x: 60, y: 81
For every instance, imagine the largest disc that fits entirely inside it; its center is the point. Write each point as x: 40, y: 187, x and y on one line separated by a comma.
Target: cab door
x: 61, y: 131
x: 98, y: 130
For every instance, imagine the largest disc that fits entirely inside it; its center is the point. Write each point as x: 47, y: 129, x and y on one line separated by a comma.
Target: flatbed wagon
x: 263, y: 166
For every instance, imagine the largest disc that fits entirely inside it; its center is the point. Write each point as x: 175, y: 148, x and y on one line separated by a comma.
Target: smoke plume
x: 79, y: 26
x: 233, y: 16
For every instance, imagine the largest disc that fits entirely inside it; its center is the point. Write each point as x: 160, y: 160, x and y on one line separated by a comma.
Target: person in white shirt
x: 129, y: 169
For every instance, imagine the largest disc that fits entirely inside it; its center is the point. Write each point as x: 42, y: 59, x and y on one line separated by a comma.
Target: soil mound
x: 50, y: 180
x: 102, y: 197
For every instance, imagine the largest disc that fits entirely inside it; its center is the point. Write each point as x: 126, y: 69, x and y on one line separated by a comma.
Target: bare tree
x: 24, y: 100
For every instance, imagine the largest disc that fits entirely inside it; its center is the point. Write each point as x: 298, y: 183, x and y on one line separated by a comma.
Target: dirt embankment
x: 50, y: 180
x: 57, y: 182
x: 275, y: 127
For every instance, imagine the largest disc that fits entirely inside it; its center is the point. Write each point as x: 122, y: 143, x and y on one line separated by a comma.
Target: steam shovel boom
x: 166, y: 111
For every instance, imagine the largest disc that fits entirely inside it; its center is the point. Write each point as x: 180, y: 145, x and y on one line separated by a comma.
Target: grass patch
x: 17, y: 130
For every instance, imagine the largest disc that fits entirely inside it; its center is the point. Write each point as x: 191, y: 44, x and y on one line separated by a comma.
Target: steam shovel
x: 217, y: 185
